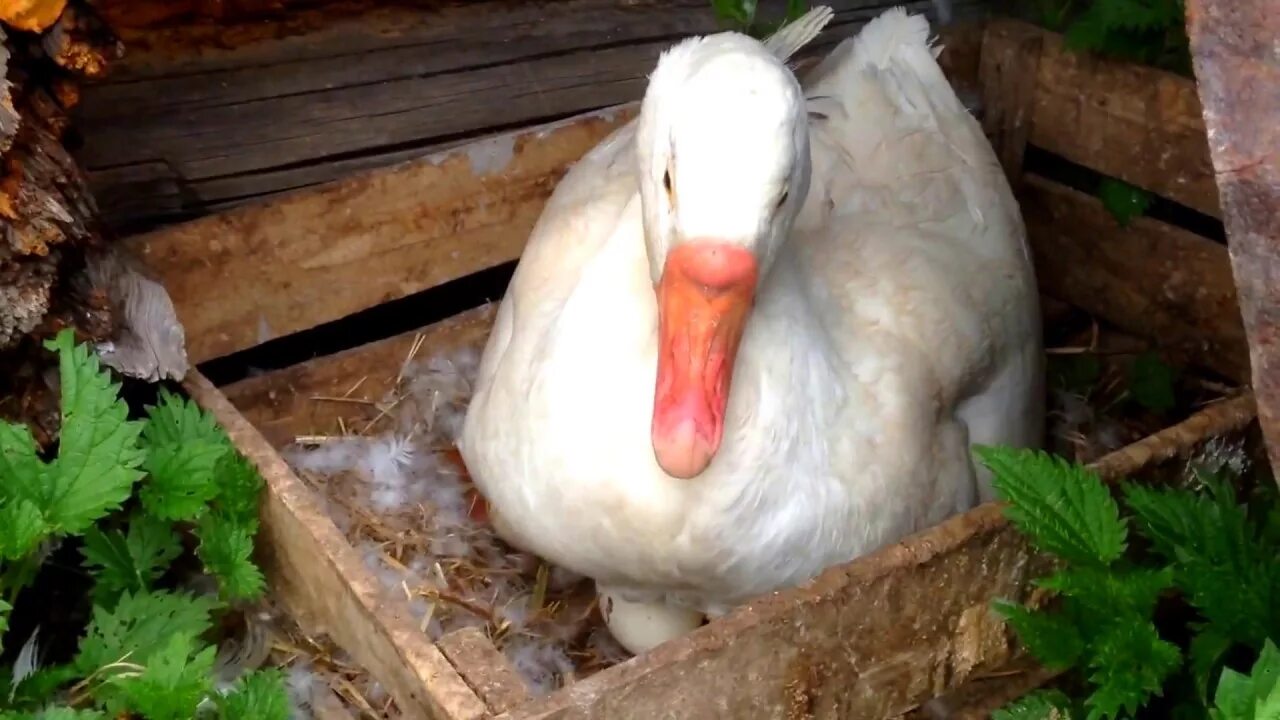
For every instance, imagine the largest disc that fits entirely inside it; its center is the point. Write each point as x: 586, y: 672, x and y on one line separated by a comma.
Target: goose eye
x: 666, y: 181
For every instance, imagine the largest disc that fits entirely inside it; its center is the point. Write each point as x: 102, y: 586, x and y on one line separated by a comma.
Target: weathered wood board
x: 175, y: 132
x: 1150, y: 278
x: 317, y: 256
x: 1237, y: 61
x: 1136, y: 123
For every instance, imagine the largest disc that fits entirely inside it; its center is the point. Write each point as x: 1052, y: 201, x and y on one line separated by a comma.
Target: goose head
x: 723, y: 162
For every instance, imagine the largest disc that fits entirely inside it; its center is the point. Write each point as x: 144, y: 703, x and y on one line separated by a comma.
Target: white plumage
x: 894, y: 323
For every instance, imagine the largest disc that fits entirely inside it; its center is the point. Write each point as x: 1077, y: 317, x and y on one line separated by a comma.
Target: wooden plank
x: 871, y: 639
x: 283, y: 404
x: 321, y: 254
x: 1136, y: 123
x: 203, y: 116
x: 1150, y: 279
x: 1237, y: 61
x: 485, y: 669
x: 318, y: 256
x: 320, y: 580
x: 1007, y: 73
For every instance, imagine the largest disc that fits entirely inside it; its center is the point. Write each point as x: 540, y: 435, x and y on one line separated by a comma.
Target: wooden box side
x: 870, y: 639
x: 322, y: 583
x: 977, y: 558
x: 1141, y: 125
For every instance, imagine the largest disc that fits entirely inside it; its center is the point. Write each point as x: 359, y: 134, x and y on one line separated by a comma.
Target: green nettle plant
x: 126, y: 492
x: 1119, y: 560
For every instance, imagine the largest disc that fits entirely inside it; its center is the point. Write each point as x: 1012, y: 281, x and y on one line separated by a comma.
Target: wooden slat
x: 249, y: 275
x: 1007, y: 74
x: 320, y: 580
x: 1151, y: 279
x: 1136, y: 123
x: 202, y: 116
x: 283, y: 403
x: 259, y: 272
x: 1237, y: 60
x: 485, y: 669
x: 869, y: 640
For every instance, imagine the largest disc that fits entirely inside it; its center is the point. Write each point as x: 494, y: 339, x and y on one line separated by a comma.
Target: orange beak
x: 707, y: 289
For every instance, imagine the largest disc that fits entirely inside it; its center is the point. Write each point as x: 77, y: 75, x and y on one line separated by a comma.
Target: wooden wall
x: 210, y: 114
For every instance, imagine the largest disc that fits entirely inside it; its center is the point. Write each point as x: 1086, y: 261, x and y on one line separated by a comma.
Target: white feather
x: 27, y: 663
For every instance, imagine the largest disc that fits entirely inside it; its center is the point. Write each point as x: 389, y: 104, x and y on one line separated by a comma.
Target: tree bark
x: 1237, y: 67
x: 48, y: 218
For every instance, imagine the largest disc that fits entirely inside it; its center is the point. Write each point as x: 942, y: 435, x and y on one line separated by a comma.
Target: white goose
x: 849, y: 253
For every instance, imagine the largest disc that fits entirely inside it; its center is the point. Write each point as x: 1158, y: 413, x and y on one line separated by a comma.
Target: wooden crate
x: 200, y: 117
x: 875, y: 638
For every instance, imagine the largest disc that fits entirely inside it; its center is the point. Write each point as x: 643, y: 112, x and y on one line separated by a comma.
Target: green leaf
x: 175, y: 420
x: 38, y: 687
x: 1234, y: 699
x: 20, y: 466
x: 98, y: 452
x: 1064, y: 509
x: 1252, y: 697
x: 1129, y: 663
x: 239, y: 490
x: 186, y: 450
x: 1266, y: 672
x: 795, y: 9
x: 1203, y: 655
x: 1212, y: 545
x: 171, y: 686
x: 181, y: 479
x: 140, y: 625
x: 22, y: 527
x: 1100, y: 596
x: 1151, y: 383
x: 260, y: 695
x: 4, y: 620
x: 738, y: 14
x: 1088, y: 31
x: 1038, y: 705
x: 1049, y: 637
x: 1124, y: 201
x: 226, y: 549
x: 129, y: 562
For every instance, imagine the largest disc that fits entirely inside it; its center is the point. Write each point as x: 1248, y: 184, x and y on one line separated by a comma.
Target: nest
x: 1092, y: 371
x: 396, y: 486
x: 398, y: 490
